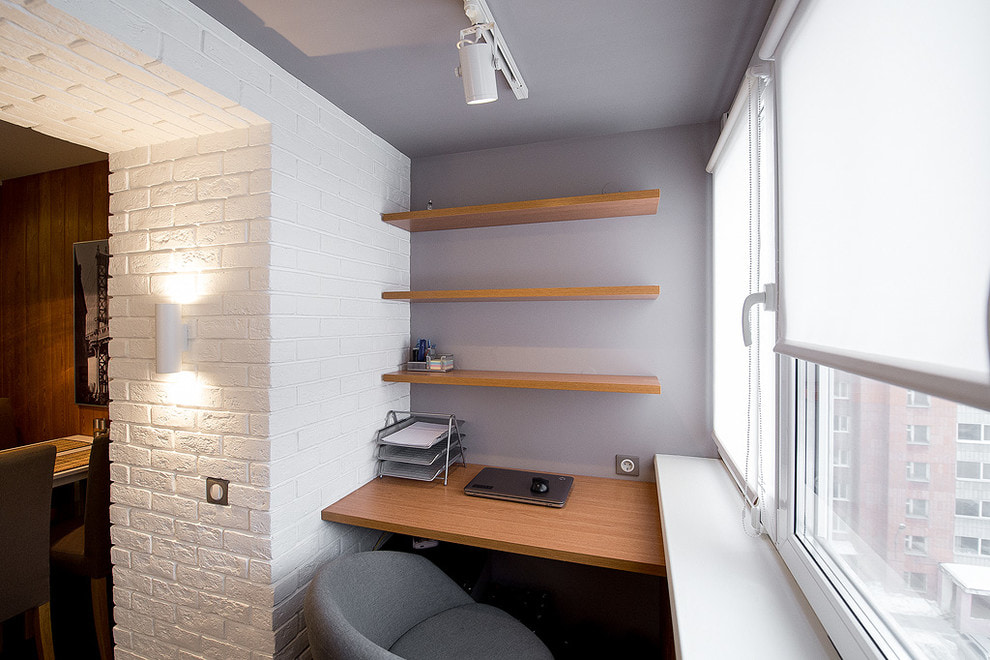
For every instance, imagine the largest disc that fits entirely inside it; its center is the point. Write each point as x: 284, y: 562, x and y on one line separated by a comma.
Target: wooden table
x: 606, y: 522
x: 71, y: 459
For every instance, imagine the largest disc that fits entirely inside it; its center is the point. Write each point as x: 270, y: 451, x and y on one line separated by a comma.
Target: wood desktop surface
x: 611, y: 523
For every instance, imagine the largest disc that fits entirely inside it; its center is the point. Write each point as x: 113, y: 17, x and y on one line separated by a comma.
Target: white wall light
x: 171, y: 338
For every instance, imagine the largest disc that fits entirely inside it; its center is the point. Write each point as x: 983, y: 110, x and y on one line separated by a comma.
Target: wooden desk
x: 606, y: 522
x: 71, y: 458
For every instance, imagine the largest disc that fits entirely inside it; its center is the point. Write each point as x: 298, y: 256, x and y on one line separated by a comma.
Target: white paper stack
x: 418, y: 434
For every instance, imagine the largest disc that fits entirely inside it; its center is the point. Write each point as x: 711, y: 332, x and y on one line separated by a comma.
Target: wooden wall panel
x: 41, y: 216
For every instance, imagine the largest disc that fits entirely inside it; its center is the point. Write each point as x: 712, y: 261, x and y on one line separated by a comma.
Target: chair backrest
x: 359, y: 604
x: 25, y: 527
x: 97, y: 512
x: 8, y: 429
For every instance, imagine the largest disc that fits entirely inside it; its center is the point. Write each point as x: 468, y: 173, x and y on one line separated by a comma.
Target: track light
x: 171, y: 338
x: 481, y: 51
x: 477, y: 67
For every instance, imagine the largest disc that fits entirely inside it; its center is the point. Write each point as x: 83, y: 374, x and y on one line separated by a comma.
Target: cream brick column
x: 243, y: 194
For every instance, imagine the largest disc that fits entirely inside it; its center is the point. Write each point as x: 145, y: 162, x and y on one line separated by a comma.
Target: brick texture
x: 256, y: 203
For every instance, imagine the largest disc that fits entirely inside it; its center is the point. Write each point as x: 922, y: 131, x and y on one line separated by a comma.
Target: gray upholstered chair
x: 25, y: 524
x: 85, y: 549
x: 388, y: 605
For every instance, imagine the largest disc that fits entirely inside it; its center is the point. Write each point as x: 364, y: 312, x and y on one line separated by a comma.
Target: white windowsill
x: 730, y: 594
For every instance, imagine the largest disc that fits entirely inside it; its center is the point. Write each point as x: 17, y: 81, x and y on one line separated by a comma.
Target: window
x: 967, y: 545
x: 916, y: 508
x: 840, y: 389
x: 968, y: 470
x: 917, y: 471
x: 980, y: 607
x: 875, y: 540
x: 917, y: 434
x: 840, y: 490
x: 916, y: 581
x: 743, y: 258
x: 970, y: 432
x: 915, y: 545
x: 967, y: 507
x: 856, y: 179
x: 840, y: 457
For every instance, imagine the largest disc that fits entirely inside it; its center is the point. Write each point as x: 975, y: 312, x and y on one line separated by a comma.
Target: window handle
x: 767, y: 298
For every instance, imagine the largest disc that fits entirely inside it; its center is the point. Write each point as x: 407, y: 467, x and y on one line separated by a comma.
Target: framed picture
x: 91, y: 327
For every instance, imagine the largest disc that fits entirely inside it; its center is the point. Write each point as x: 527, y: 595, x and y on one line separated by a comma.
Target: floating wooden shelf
x: 559, y: 209
x: 531, y: 380
x: 648, y: 292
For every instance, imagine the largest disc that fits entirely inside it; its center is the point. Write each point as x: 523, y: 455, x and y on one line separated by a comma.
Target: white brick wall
x: 231, y: 179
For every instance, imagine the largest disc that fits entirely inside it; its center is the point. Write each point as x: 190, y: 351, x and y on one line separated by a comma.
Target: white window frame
x: 914, y: 478
x: 910, y: 508
x: 855, y: 628
x: 915, y: 544
x: 982, y: 437
x: 912, y: 436
x: 909, y: 577
x: 959, y: 551
x: 967, y: 515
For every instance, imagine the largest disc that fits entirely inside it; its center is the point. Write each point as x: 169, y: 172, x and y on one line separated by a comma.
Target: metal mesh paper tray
x: 420, y: 472
x: 414, y: 455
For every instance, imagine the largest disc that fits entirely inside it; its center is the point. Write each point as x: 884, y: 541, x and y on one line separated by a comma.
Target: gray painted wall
x: 573, y: 432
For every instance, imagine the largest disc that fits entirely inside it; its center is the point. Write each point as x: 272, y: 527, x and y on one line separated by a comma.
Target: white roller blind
x: 742, y: 263
x: 884, y: 143
x: 730, y: 266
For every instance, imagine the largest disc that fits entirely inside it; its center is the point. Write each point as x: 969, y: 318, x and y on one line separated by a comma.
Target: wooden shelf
x: 648, y: 292
x: 559, y: 209
x: 530, y: 380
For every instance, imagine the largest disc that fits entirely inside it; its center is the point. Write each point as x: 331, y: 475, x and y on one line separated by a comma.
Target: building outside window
x: 969, y: 470
x: 917, y: 434
x: 967, y: 508
x: 916, y: 581
x: 971, y: 433
x: 915, y: 544
x: 916, y: 508
x: 917, y: 471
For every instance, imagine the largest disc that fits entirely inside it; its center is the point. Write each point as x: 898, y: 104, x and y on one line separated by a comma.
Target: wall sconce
x: 171, y: 338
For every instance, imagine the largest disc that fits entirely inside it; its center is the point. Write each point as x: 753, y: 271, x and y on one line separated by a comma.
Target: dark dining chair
x: 8, y: 429
x: 85, y: 549
x: 25, y: 524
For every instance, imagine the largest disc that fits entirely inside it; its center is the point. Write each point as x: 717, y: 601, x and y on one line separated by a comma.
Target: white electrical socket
x: 627, y: 466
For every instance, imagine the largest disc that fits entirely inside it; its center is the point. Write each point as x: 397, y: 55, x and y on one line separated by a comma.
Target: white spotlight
x: 478, y: 71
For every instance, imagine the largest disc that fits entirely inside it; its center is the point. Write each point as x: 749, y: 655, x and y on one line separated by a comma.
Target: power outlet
x: 216, y: 491
x: 627, y: 466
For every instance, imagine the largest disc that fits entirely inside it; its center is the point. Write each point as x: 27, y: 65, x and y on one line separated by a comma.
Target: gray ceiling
x: 593, y: 67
